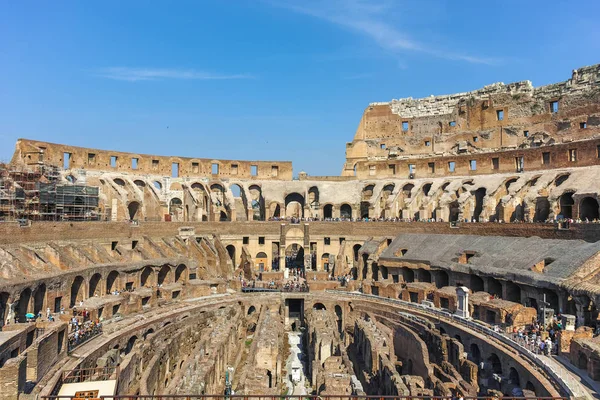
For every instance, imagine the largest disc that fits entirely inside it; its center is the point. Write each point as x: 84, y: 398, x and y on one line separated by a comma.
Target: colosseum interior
x: 457, y: 254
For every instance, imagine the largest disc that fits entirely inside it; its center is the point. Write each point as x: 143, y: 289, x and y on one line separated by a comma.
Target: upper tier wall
x: 32, y: 153
x: 494, y: 118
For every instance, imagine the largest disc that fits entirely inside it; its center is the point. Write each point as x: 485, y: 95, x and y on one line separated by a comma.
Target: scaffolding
x: 38, y: 195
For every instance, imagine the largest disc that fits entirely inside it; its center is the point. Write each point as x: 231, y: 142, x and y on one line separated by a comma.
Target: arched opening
x: 76, y: 290
x: 181, y: 273
x: 130, y: 344
x: 476, y: 284
x: 495, y: 363
x: 319, y: 306
x: 582, y: 361
x: 111, y: 282
x: 364, y: 209
x: 139, y: 183
x: 441, y: 279
x: 458, y: 338
x: 119, y: 181
x: 346, y: 211
x: 251, y: 310
x: 261, y: 261
x: 270, y: 377
x: 408, y: 274
x: 148, y: 333
x: 424, y: 275
x: 3, y: 305
x: 133, y: 208
x: 176, y: 209
x: 513, y: 376
x: 542, y: 209
x: 164, y: 275
x: 426, y: 189
x: 494, y: 287
x: 356, y: 249
x: 407, y: 190
x: 479, y: 196
x: 294, y: 205
x: 147, y: 277
x: 313, y: 197
x: 529, y: 386
x: 509, y: 182
x: 39, y: 299
x: 275, y: 210
x: 566, y: 205
x: 454, y: 211
x: 257, y: 203
x: 23, y: 306
x: 325, y: 261
x: 223, y: 216
x: 294, y: 257
x: 157, y: 185
x: 475, y: 353
x: 513, y: 292
x: 561, y: 179
x: 328, y: 211
x: 94, y: 287
x: 588, y: 209
x: 231, y: 251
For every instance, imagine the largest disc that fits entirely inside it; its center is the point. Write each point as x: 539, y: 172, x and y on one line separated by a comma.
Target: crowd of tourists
x: 563, y: 221
x: 540, y: 339
x: 82, y: 332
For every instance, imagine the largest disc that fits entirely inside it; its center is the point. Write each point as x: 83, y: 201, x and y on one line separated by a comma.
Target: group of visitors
x: 83, y: 332
x: 540, y: 339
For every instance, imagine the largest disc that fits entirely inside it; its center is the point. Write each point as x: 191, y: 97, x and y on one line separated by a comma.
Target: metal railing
x: 556, y: 372
x: 89, y: 374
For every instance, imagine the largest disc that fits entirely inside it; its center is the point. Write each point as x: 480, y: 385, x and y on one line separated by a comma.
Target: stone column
x: 462, y: 302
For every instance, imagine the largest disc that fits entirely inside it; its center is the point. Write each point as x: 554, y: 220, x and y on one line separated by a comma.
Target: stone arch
x: 176, y: 208
x: 479, y: 196
x: 130, y: 344
x: 475, y: 353
x: 367, y: 192
x: 119, y: 181
x: 424, y: 275
x: 94, y: 285
x: 513, y: 292
x: 542, y: 209
x: 257, y: 202
x: 319, y: 306
x: 529, y: 386
x: 181, y: 273
x: 39, y: 299
x: 164, y: 275
x: 346, y: 211
x: 495, y: 363
x: 328, y: 211
x: 275, y: 210
x: 251, y: 310
x: 147, y: 333
x: 458, y: 338
x: 24, y: 304
x: 407, y: 190
x: 231, y: 251
x: 76, y: 290
x: 139, y: 183
x: 356, y: 249
x: 313, y: 196
x: 133, y: 209
x: 426, y: 188
x: 560, y: 179
x: 588, y: 209
x: 476, y: 284
x: 453, y: 211
x: 325, y: 261
x: 582, y: 361
x: 441, y: 279
x: 513, y: 376
x: 566, y: 203
x: 157, y: 185
x: 408, y: 274
x: 494, y: 287
x: 147, y: 277
x: 294, y: 256
x: 509, y: 182
x: 112, y: 281
x: 294, y: 205
x: 4, y: 296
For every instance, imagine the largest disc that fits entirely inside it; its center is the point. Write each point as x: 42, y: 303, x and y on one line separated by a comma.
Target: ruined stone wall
x: 33, y: 153
x: 495, y: 117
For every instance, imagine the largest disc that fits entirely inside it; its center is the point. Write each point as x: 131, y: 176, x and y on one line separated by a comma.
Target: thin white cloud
x: 151, y: 74
x: 368, y: 17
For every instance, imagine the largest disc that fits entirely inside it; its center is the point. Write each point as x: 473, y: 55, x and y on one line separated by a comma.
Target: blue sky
x: 266, y: 80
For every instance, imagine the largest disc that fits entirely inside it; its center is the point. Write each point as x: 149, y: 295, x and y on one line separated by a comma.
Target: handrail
x: 296, y: 397
x: 564, y: 382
